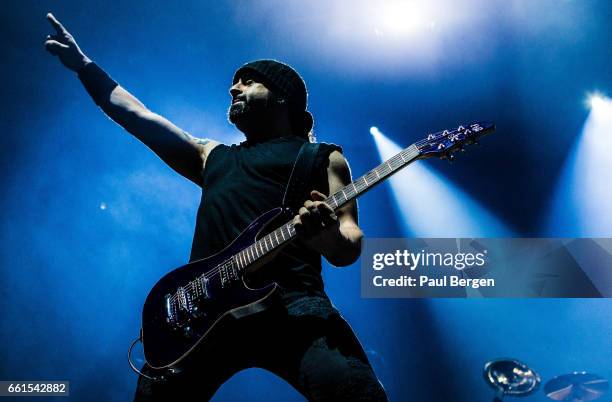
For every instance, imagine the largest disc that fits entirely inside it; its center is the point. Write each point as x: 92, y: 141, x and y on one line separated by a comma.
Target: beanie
x: 281, y: 78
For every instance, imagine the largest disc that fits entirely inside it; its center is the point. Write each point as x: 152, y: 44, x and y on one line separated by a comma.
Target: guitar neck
x: 287, y: 232
x: 375, y: 176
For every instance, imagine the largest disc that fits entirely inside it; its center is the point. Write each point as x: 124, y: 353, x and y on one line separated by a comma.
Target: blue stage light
x: 581, y: 204
x: 432, y: 206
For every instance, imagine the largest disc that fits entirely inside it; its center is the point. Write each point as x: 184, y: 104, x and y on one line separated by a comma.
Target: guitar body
x: 185, y: 307
x: 171, y: 331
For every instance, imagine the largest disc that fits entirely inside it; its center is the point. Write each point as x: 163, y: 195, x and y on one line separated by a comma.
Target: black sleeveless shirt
x: 240, y: 183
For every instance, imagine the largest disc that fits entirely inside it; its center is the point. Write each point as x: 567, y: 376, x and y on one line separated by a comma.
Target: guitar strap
x: 296, y: 190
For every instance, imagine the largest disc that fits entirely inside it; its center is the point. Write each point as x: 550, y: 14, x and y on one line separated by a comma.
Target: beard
x: 249, y: 116
x: 240, y: 112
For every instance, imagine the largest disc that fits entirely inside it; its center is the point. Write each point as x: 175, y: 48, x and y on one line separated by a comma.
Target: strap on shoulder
x: 295, y: 192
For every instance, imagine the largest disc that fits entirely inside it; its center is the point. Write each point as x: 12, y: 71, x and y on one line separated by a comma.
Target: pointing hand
x: 63, y: 45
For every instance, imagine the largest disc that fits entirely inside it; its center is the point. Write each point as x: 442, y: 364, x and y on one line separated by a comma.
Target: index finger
x: 56, y: 24
x: 317, y: 195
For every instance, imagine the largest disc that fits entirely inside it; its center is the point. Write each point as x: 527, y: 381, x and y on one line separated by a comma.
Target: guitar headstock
x: 444, y: 143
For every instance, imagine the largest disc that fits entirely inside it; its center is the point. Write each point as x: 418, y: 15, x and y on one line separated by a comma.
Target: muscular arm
x: 336, y: 236
x: 182, y: 152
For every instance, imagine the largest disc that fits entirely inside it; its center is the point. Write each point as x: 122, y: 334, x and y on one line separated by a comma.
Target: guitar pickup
x: 228, y: 273
x: 170, y: 309
x: 201, y: 288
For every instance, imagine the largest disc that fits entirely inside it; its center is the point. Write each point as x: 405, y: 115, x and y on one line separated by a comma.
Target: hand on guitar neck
x: 334, y: 234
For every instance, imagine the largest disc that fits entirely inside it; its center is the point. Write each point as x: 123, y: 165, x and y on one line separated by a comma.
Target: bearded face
x: 252, y: 103
x: 243, y: 111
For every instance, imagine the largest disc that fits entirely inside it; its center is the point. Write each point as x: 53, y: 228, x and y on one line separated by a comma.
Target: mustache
x: 239, y: 98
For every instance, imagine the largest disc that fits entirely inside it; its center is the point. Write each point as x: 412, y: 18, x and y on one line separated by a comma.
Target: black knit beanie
x: 281, y: 78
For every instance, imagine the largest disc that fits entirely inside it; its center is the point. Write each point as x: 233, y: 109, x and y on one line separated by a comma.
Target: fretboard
x: 286, y: 232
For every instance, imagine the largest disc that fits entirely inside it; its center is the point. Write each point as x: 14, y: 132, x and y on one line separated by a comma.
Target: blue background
x: 91, y: 218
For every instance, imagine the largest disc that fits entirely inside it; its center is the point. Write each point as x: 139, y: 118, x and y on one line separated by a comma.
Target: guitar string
x: 190, y: 287
x: 290, y: 228
x: 213, y: 272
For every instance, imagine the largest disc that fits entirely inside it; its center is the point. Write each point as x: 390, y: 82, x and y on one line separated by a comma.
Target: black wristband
x: 98, y: 84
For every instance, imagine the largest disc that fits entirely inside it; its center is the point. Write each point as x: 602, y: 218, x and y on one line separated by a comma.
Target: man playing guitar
x: 301, y: 337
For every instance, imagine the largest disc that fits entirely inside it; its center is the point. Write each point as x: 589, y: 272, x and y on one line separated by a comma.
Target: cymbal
x: 511, y: 377
x: 576, y: 387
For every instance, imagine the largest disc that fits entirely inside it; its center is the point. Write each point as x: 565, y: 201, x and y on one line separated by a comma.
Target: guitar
x: 186, y: 305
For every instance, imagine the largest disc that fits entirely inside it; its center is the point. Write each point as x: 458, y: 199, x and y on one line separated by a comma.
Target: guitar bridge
x: 183, y: 305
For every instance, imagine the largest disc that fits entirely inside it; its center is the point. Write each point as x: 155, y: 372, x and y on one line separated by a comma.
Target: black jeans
x: 303, y: 340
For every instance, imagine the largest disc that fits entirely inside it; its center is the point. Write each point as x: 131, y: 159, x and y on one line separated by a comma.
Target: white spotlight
x: 402, y: 17
x: 374, y: 131
x: 581, y: 207
x: 597, y: 101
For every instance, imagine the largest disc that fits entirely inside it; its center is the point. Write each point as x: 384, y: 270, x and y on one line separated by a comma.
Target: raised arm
x: 181, y: 151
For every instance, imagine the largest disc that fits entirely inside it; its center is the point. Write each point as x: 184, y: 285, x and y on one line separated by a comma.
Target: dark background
x: 91, y: 218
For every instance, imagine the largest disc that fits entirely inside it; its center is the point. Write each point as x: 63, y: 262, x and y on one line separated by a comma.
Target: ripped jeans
x: 305, y: 341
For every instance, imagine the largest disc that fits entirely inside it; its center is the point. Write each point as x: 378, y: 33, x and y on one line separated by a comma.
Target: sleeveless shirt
x: 240, y: 183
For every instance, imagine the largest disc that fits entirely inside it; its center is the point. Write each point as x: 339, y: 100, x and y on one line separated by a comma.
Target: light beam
x: 581, y: 204
x: 431, y: 206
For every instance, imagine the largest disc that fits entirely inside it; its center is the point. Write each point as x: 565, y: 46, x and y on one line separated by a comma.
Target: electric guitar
x: 187, y: 304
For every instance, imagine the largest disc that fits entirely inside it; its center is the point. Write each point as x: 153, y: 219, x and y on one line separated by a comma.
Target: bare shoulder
x: 338, y: 170
x: 206, y: 145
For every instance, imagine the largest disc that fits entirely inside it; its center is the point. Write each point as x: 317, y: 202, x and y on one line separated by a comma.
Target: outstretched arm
x: 336, y: 235
x: 181, y: 151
